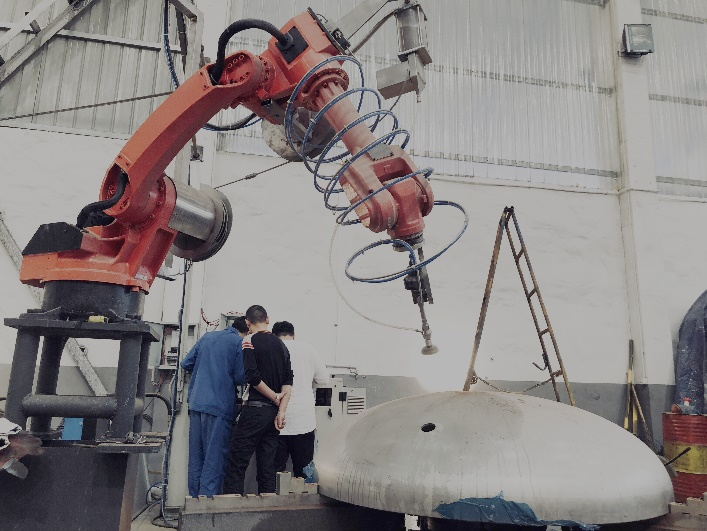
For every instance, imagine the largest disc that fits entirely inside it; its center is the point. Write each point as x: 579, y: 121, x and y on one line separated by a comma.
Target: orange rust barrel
x: 679, y: 433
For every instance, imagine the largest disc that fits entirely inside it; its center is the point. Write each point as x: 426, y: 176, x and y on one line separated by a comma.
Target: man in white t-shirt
x: 296, y: 439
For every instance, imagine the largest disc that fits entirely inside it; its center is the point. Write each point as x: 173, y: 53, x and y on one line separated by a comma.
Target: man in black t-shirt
x: 269, y: 377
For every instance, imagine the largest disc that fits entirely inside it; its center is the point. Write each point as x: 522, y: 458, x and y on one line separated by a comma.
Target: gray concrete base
x: 605, y: 400
x: 293, y: 512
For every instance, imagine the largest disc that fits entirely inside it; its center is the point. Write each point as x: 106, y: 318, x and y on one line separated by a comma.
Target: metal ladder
x: 530, y: 296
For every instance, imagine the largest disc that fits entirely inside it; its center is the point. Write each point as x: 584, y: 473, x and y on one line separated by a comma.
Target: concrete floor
x: 144, y: 521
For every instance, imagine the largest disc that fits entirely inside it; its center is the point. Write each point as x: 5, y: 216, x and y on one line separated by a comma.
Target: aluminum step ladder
x: 543, y: 328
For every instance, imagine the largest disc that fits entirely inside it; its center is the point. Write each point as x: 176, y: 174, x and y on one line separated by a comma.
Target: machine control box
x: 334, y: 403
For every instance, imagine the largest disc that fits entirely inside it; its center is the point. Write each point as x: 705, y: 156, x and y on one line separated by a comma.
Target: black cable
x: 145, y: 509
x: 156, y: 521
x: 240, y: 25
x: 84, y: 216
x: 252, y: 175
x: 161, y: 397
x: 240, y: 124
x: 147, y: 406
x: 170, y: 66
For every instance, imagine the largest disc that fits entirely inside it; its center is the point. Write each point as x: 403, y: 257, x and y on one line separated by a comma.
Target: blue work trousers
x: 209, y: 437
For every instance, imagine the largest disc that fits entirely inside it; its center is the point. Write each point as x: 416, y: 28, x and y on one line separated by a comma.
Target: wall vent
x: 355, y: 401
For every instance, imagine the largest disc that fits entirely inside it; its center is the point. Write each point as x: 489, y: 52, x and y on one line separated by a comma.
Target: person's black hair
x: 240, y: 324
x: 256, y: 314
x: 283, y: 328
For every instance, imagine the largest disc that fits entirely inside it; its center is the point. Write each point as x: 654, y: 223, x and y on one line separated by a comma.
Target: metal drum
x: 679, y: 433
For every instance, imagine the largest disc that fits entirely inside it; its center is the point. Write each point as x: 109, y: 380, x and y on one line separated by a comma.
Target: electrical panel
x: 334, y: 403
x: 170, y: 344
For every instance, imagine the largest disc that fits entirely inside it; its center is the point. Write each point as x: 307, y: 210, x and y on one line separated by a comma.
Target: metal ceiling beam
x: 30, y: 17
x: 43, y: 37
x: 107, y: 39
x: 76, y: 351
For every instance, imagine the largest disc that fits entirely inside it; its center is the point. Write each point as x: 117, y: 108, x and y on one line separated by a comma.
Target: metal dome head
x: 496, y: 458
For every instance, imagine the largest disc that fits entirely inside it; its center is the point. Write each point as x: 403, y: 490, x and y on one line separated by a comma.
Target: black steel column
x: 48, y: 377
x: 141, y: 380
x: 126, y: 386
x: 24, y: 361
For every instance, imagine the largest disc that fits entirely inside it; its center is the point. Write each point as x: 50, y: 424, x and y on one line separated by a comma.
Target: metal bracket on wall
x: 76, y: 351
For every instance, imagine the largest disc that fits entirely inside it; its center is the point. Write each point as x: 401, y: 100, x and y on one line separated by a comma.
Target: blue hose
x: 328, y: 185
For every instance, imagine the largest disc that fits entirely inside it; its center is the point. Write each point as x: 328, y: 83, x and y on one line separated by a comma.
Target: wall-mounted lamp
x: 638, y: 40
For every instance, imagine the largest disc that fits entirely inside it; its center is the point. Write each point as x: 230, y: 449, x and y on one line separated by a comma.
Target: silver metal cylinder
x: 203, y: 219
x: 194, y: 213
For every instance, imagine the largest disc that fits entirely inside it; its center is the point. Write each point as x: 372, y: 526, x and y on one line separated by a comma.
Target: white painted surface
x: 277, y: 256
x: 526, y: 449
x: 638, y: 204
x: 682, y: 244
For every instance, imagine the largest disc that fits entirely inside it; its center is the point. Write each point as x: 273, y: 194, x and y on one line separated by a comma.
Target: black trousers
x: 299, y: 447
x: 253, y: 432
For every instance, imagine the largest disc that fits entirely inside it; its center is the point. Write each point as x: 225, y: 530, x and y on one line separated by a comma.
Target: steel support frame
x: 76, y: 351
x: 28, y: 20
x: 178, y: 446
x: 102, y: 407
x: 125, y: 409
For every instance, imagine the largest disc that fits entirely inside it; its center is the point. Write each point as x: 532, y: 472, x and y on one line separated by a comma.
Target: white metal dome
x: 493, y: 457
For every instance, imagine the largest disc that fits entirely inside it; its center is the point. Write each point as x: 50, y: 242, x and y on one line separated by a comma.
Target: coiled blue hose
x: 329, y: 184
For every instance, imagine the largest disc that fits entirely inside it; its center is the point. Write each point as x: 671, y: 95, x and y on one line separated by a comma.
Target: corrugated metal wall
x: 678, y: 94
x: 72, y: 71
x: 518, y: 90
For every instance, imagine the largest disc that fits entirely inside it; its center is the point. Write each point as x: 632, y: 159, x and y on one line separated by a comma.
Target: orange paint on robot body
x: 132, y: 248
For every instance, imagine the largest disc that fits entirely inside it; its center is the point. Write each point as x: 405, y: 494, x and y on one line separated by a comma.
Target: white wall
x: 683, y: 226
x: 278, y: 257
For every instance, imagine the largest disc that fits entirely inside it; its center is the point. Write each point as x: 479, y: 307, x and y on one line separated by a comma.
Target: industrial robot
x: 95, y: 273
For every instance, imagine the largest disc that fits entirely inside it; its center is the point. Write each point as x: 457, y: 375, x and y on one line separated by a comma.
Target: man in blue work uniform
x: 216, y: 364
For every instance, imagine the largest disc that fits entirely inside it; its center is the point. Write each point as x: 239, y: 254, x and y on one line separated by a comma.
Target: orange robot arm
x: 150, y: 213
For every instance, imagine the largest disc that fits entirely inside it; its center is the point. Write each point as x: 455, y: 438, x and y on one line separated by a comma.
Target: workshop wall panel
x: 678, y: 94
x: 112, y: 51
x: 574, y: 240
x: 680, y: 240
x: 517, y: 91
